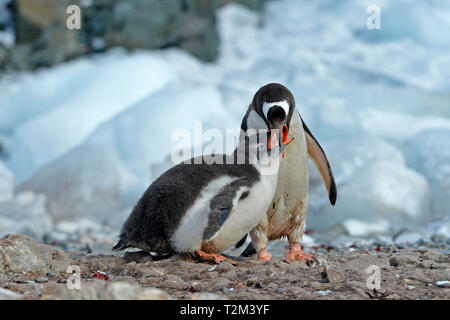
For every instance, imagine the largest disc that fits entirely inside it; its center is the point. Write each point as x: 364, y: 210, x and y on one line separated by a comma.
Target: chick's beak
x: 278, y: 138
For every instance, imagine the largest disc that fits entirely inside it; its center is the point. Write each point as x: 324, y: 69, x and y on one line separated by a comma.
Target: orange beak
x: 284, y: 135
x: 273, y: 140
x: 278, y: 139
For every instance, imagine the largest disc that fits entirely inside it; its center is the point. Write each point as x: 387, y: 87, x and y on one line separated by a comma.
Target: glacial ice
x: 347, y: 156
x: 25, y: 214
x: 383, y: 190
x: 6, y: 183
x: 93, y: 133
x: 429, y: 153
x: 76, y: 101
x: 89, y: 181
x: 358, y: 228
x: 99, y: 179
x: 142, y: 135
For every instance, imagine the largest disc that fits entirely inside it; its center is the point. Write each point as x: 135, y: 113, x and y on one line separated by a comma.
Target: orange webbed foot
x: 213, y: 257
x: 264, y: 255
x: 295, y: 252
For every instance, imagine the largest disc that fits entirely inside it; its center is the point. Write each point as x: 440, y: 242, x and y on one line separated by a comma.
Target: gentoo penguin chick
x: 273, y: 106
x: 205, y: 208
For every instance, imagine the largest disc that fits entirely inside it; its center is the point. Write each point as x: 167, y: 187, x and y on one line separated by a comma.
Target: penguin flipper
x: 222, y: 205
x: 319, y: 157
x: 121, y: 245
x: 241, y: 242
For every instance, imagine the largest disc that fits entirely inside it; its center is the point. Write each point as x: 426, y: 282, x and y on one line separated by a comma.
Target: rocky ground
x: 30, y: 270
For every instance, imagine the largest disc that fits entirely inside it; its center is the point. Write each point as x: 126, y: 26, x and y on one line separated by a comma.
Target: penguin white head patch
x: 267, y: 105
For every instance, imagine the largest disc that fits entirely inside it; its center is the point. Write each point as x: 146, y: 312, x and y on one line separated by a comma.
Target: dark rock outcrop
x: 43, y: 39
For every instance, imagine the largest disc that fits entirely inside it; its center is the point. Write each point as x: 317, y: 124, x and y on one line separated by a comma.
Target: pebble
x: 443, y: 284
x: 223, y: 267
x: 231, y: 274
x: 394, y: 262
x: 393, y: 297
x: 42, y: 280
x: 331, y: 275
x: 323, y: 293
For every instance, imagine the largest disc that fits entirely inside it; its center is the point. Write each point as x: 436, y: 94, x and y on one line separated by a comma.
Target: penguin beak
x: 276, y: 119
x: 278, y: 138
x: 274, y: 139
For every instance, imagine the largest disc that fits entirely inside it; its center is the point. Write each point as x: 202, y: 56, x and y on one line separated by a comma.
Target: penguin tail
x: 241, y: 242
x: 122, y: 244
x: 249, y: 251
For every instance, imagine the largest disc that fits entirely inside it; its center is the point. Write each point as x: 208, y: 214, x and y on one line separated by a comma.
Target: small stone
x: 224, y: 266
x: 323, y: 293
x: 221, y: 284
x: 42, y: 280
x: 207, y: 296
x: 231, y: 274
x: 443, y: 284
x: 8, y: 295
x: 394, y: 262
x: 102, y: 290
x: 271, y: 271
x: 138, y: 257
x: 280, y: 290
x: 252, y: 281
x: 212, y: 275
x: 332, y: 275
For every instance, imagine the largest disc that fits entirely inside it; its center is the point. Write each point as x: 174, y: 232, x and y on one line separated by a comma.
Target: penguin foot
x: 213, y: 257
x: 264, y: 255
x: 295, y: 252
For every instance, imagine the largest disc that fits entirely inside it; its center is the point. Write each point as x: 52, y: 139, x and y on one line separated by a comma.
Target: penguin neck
x: 265, y: 161
x: 268, y: 163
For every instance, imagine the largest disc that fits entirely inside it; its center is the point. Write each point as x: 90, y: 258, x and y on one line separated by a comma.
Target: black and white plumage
x: 273, y: 106
x: 208, y: 207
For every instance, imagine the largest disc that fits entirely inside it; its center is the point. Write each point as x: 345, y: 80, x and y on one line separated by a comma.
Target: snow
x: 398, y: 127
x: 348, y: 155
x: 7, y: 38
x: 408, y: 237
x: 6, y: 183
x: 25, y: 214
x: 429, y: 153
x: 444, y: 230
x: 91, y: 92
x: 91, y: 134
x: 420, y: 21
x: 383, y: 190
x: 89, y: 181
x: 143, y: 134
x: 358, y: 228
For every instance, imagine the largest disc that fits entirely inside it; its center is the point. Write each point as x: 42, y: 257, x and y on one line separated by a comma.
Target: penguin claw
x: 264, y: 255
x: 213, y: 257
x: 295, y: 252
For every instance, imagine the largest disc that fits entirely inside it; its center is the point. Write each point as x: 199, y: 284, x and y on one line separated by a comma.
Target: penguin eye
x: 261, y: 147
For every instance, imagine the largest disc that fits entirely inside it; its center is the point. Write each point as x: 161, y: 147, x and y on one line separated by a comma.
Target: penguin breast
x: 188, y: 235
x: 246, y: 214
x: 291, y: 195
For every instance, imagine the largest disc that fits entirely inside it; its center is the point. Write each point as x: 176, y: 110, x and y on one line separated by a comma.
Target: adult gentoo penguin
x: 203, y: 208
x: 273, y: 106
